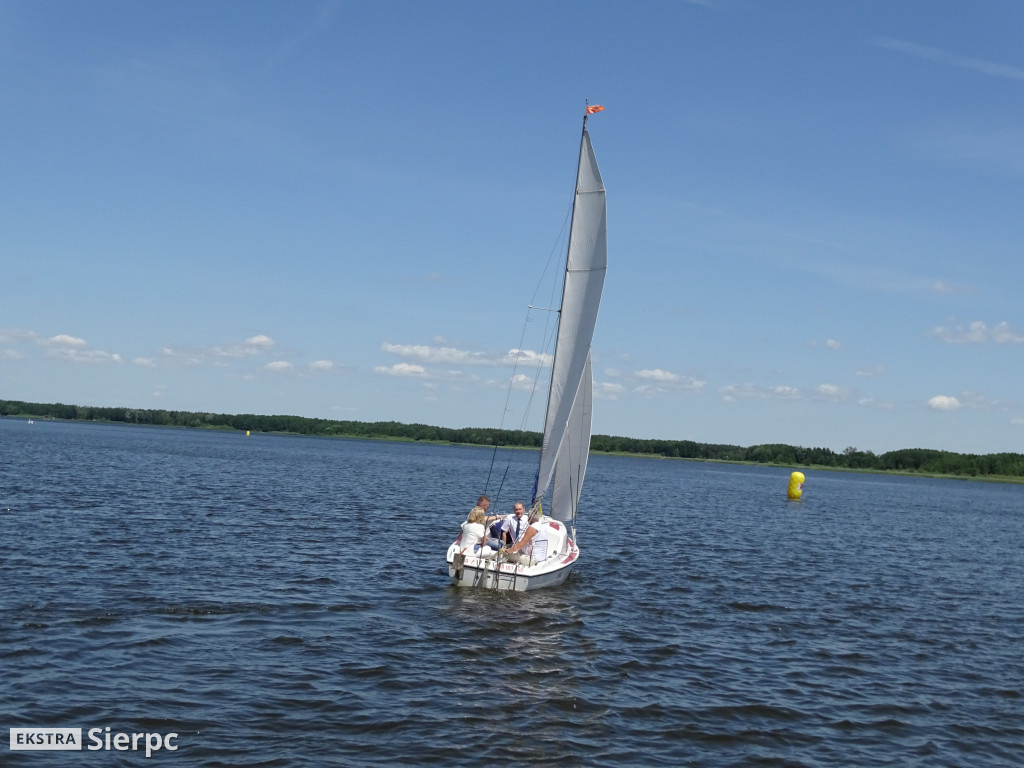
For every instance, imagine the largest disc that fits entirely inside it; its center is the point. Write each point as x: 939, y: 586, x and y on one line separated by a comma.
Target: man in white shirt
x: 514, y: 526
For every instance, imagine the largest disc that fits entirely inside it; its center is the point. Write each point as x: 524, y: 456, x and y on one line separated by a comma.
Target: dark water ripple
x: 281, y: 602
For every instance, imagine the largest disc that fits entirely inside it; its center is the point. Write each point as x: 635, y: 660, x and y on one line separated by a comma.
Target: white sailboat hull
x: 496, y: 573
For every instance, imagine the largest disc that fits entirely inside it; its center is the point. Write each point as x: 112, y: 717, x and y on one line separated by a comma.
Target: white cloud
x: 444, y: 355
x: 224, y: 355
x: 526, y: 357
x: 254, y: 345
x: 402, y: 370
x: 868, y: 373
x: 68, y: 342
x: 74, y: 349
x: 429, y: 354
x: 648, y: 390
x: 979, y: 333
x: 522, y: 382
x: 607, y: 390
x: 667, y: 381
x: 973, y: 401
x: 829, y: 344
x: 1003, y: 334
x: 176, y: 356
x: 656, y: 374
x: 87, y: 356
x: 16, y: 335
x: 832, y: 393
x: 70, y: 348
x: 1017, y: 421
x: 734, y: 392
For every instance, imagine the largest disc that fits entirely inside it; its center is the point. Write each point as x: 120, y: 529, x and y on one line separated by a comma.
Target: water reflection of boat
x: 566, y: 444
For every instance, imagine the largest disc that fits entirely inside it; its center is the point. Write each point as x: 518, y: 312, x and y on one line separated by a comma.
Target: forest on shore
x: 914, y: 460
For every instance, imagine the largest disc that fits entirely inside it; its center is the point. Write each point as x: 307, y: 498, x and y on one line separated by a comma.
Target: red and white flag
x: 591, y: 109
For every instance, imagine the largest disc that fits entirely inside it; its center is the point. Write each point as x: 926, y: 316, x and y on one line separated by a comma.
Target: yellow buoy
x: 247, y: 433
x: 796, y: 485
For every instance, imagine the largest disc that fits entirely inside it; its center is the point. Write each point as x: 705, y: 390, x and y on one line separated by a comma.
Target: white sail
x: 571, y: 465
x: 584, y: 280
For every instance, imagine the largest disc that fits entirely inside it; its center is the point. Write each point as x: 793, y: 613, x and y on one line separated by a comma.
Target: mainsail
x: 567, y: 422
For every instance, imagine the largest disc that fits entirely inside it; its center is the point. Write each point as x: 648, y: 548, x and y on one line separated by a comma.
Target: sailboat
x: 567, y: 421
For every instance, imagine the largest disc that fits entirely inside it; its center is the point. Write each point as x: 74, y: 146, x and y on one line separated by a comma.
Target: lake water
x: 283, y: 601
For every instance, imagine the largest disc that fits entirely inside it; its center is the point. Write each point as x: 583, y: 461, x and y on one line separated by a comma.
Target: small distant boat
x: 31, y: 422
x: 567, y: 423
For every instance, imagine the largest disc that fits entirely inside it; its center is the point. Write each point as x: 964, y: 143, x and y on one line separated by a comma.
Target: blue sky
x: 342, y: 210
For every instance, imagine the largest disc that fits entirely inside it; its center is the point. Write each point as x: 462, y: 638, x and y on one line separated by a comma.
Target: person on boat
x: 474, y: 536
x: 514, y: 526
x: 533, y: 547
x: 484, y: 503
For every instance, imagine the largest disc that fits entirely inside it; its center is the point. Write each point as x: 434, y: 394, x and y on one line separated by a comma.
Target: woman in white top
x: 533, y: 545
x: 474, y: 535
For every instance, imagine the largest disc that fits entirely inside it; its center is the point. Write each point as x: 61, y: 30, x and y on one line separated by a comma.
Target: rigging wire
x: 547, y: 340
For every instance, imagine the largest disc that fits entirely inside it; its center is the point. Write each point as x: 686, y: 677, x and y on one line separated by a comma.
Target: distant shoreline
x: 996, y: 468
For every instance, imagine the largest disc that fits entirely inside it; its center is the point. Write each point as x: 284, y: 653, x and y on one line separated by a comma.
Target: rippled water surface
x: 283, y: 601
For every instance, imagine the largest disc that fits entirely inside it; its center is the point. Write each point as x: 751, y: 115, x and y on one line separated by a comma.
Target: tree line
x: 919, y: 460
